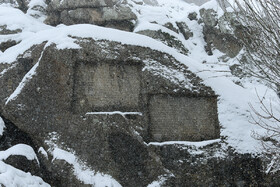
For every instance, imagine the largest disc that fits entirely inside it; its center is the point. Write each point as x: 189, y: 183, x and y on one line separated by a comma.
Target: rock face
x: 166, y: 38
x: 85, y: 86
x: 109, y: 13
x: 21, y: 4
x: 114, y: 106
x: 216, y: 34
x: 175, y: 118
x: 192, y: 167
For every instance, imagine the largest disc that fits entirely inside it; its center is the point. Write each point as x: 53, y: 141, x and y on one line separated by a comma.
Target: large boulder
x: 20, y: 4
x: 110, y: 13
x: 100, y: 100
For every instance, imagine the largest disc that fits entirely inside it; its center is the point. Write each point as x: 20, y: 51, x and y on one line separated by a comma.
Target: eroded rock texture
x: 103, y: 76
x: 106, y: 102
x: 108, y: 13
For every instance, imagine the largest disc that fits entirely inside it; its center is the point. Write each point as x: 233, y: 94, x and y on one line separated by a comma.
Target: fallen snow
x: 84, y: 174
x: 21, y: 85
x: 2, y: 126
x: 43, y: 152
x: 233, y: 106
x: 187, y: 143
x: 12, y: 177
x: 19, y: 149
x: 81, y: 171
x: 114, y: 113
x: 158, y: 183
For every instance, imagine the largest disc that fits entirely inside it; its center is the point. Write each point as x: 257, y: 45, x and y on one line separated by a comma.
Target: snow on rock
x: 233, y: 106
x: 16, y: 19
x: 187, y: 143
x: 12, y: 177
x: 43, y: 152
x: 19, y: 149
x: 158, y: 183
x: 123, y: 114
x: 37, y: 9
x: 25, y: 79
x: 84, y: 174
x: 81, y: 171
x: 2, y: 126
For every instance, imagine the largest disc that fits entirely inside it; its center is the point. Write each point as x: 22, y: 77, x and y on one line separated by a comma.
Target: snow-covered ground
x: 13, y: 177
x: 233, y: 105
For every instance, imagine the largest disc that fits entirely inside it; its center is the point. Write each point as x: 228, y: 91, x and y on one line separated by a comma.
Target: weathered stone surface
x: 13, y: 136
x: 200, y: 167
x: 17, y: 70
x: 7, y: 44
x: 135, y: 162
x: 197, y: 2
x: 209, y: 17
x: 184, y: 29
x: 192, y: 16
x: 107, y: 85
x: 104, y: 13
x: 151, y: 2
x: 73, y: 4
x: 5, y: 31
x: 217, y: 35
x: 166, y: 38
x: 175, y: 118
x: 63, y: 79
x: 22, y: 163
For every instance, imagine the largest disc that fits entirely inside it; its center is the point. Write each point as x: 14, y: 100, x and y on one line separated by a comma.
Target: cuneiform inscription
x: 182, y: 118
x: 106, y: 85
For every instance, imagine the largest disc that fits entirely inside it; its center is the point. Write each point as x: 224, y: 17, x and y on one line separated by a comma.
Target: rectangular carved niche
x: 107, y: 86
x: 175, y: 118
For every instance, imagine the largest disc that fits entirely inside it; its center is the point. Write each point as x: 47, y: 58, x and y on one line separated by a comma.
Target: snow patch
x: 233, y: 106
x: 19, y: 149
x: 21, y: 85
x: 43, y: 152
x: 12, y: 177
x: 187, y: 143
x: 123, y: 114
x: 2, y: 126
x: 25, y: 79
x: 81, y: 171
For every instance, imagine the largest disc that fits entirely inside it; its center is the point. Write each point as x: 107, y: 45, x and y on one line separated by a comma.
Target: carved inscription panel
x: 108, y: 86
x: 183, y: 118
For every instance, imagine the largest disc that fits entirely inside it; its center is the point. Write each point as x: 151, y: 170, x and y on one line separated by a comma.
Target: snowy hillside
x: 235, y: 94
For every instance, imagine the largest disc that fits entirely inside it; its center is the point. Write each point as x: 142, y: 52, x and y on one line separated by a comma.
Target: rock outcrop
x: 85, y: 86
x: 114, y: 109
x: 110, y: 13
x: 220, y: 33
